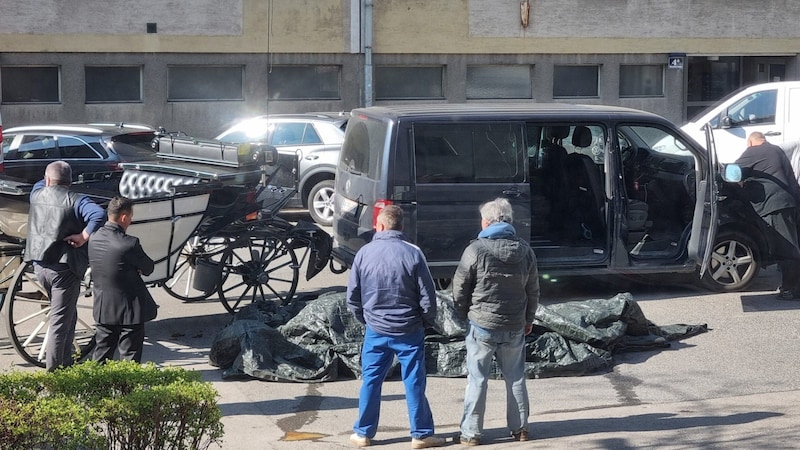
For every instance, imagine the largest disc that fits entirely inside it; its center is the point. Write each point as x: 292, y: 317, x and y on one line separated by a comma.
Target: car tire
x: 734, y: 263
x: 320, y: 203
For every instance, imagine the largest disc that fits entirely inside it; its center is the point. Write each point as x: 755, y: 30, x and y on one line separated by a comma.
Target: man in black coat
x: 122, y: 303
x: 771, y: 187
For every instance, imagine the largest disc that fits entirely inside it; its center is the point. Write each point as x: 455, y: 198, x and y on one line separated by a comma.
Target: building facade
x: 197, y: 65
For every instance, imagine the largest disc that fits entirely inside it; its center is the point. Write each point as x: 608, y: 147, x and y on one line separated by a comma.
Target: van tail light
x: 1, y: 167
x: 114, y: 167
x: 376, y: 209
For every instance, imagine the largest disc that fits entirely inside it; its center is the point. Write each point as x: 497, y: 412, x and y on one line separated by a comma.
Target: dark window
x: 71, y: 147
x: 36, y: 147
x: 575, y: 81
x: 469, y: 153
x: 30, y: 84
x: 756, y: 108
x: 498, y: 82
x: 205, y: 83
x: 641, y: 81
x: 394, y: 83
x: 303, y: 82
x: 363, y: 147
x: 113, y: 84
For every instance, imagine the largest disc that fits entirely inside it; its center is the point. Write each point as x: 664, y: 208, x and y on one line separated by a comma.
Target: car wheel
x: 734, y: 263
x: 320, y: 203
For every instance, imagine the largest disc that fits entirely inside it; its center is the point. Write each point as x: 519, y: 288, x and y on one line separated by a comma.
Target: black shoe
x: 786, y: 294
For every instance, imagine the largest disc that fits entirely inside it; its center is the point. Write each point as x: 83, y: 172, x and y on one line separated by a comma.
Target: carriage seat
x: 138, y: 184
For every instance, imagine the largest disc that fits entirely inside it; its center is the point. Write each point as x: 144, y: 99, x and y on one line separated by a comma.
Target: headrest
x: 558, y: 132
x: 581, y: 137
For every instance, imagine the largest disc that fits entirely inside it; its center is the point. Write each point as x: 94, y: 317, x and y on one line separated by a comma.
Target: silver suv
x: 315, y: 138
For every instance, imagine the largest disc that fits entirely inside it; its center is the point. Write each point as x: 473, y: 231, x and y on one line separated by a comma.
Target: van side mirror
x: 732, y: 174
x: 725, y: 122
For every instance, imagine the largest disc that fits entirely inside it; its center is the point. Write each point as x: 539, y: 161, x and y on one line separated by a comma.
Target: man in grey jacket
x: 496, y: 288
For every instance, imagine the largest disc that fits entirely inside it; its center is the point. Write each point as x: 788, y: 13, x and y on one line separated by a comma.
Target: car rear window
x: 363, y: 146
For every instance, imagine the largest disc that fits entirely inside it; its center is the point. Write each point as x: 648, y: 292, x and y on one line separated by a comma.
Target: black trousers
x: 128, y: 339
x: 783, y: 241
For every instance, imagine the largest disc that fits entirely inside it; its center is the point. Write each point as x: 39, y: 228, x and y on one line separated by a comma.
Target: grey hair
x: 497, y: 210
x: 59, y: 172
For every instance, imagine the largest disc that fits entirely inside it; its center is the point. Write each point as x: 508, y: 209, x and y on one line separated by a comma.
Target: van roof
x: 523, y: 110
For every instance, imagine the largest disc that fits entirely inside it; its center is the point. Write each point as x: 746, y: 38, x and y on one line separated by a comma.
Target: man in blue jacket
x: 391, y: 291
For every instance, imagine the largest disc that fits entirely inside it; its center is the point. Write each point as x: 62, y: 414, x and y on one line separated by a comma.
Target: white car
x: 315, y: 138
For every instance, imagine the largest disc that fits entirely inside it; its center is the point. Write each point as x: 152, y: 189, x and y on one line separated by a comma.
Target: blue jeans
x: 377, y: 355
x: 508, y: 348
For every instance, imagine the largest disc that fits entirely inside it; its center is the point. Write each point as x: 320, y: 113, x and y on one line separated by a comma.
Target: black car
x: 93, y: 150
x: 597, y: 190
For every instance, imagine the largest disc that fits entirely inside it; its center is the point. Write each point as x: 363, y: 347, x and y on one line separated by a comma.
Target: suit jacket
x: 120, y: 295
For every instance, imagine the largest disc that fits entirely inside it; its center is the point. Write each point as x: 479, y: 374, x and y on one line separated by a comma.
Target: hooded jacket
x: 496, y: 284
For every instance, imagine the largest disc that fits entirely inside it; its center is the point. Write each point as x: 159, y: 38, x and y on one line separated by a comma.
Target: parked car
x: 591, y: 191
x: 314, y: 138
x: 93, y: 150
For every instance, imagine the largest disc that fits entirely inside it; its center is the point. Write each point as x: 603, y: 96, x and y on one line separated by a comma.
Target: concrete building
x: 196, y: 65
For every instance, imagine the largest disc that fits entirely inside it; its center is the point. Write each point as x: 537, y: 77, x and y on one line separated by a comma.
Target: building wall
x: 259, y: 34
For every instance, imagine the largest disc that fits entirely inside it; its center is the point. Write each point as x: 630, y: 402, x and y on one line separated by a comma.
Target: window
x: 113, y: 84
x: 408, y: 83
x: 288, y: 134
x: 75, y: 148
x: 30, y: 84
x: 756, y: 108
x: 498, y: 82
x: 209, y: 83
x: 575, y: 81
x: 303, y: 82
x: 471, y: 153
x: 36, y: 147
x: 363, y: 147
x: 641, y: 81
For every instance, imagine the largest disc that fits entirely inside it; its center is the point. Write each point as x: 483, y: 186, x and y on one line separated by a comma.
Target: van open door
x: 704, y: 225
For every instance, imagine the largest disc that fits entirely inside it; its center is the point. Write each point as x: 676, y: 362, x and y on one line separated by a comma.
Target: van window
x: 469, y: 152
x: 362, y: 149
x: 756, y: 108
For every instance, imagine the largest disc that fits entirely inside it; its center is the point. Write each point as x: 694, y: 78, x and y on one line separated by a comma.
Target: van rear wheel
x: 734, y: 263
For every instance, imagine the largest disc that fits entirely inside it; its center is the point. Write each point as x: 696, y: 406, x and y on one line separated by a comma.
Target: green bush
x: 117, y: 405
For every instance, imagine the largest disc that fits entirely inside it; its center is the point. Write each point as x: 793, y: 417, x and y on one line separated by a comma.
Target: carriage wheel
x: 181, y: 284
x: 257, y: 268
x: 27, y: 316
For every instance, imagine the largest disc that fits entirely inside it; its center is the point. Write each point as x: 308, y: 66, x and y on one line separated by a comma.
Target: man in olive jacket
x: 122, y: 303
x: 496, y: 287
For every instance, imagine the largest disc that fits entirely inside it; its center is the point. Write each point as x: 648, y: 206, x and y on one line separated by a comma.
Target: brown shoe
x: 521, y: 435
x: 469, y: 442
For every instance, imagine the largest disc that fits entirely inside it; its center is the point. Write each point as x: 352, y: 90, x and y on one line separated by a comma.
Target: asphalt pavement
x: 734, y: 387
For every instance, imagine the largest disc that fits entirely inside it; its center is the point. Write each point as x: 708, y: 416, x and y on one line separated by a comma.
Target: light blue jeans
x: 509, y: 349
x: 377, y: 355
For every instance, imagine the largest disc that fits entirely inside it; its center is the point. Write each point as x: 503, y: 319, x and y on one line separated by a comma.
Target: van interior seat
x: 585, y: 193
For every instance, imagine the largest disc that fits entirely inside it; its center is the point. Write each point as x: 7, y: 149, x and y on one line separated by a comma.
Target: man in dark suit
x: 771, y: 187
x: 122, y: 303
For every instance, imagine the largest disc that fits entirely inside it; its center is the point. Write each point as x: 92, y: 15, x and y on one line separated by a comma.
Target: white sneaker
x: 427, y: 442
x: 360, y: 441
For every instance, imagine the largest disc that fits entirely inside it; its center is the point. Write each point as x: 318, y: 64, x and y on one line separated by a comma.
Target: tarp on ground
x: 318, y: 339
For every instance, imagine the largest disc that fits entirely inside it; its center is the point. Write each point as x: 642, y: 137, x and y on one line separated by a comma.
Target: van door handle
x: 312, y: 157
x: 512, y: 192
x: 772, y: 133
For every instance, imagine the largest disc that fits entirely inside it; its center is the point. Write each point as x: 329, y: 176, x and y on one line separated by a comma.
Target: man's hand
x: 77, y: 240
x: 528, y: 328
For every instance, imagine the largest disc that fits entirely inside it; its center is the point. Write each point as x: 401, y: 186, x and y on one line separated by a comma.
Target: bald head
x: 58, y: 173
x: 756, y: 138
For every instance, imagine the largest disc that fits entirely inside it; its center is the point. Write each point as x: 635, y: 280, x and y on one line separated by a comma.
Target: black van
x: 597, y: 189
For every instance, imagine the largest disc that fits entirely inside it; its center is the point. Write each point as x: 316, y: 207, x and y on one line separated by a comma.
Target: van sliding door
x: 459, y: 166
